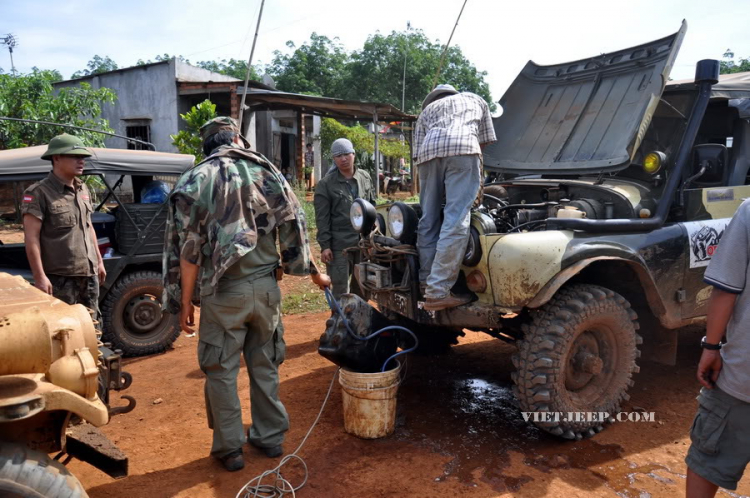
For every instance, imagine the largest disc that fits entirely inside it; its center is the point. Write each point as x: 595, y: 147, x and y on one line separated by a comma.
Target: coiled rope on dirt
x: 281, y: 486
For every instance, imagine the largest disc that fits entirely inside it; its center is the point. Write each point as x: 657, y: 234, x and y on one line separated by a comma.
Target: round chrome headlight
x: 402, y: 223
x: 362, y: 216
x: 396, y: 222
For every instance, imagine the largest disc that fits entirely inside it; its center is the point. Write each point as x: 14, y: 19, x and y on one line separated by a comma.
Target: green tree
x: 189, y: 141
x: 315, y: 68
x: 32, y: 96
x: 376, y: 72
x: 96, y: 65
x: 232, y: 67
x: 162, y: 58
x: 362, y: 140
x: 728, y: 65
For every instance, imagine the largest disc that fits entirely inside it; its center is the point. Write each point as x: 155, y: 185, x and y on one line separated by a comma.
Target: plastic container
x: 570, y: 212
x: 370, y: 402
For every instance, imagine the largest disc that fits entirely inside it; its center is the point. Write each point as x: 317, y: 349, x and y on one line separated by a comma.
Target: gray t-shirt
x: 729, y: 271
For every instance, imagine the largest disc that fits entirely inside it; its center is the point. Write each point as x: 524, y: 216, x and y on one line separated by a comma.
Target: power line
x: 442, y: 58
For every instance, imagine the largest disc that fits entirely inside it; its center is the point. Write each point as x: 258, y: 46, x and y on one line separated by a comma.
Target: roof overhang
x: 268, y: 100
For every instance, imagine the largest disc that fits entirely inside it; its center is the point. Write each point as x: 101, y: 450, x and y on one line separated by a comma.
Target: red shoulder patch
x: 27, y: 199
x: 85, y: 197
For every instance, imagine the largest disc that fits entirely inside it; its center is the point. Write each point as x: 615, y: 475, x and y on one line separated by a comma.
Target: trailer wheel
x: 578, y: 354
x: 133, y: 319
x: 30, y: 474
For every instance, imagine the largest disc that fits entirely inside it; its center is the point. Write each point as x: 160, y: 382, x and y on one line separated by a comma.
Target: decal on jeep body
x: 704, y: 237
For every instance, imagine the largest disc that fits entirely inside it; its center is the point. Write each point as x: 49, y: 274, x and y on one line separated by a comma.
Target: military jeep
x: 131, y: 234
x: 607, y: 193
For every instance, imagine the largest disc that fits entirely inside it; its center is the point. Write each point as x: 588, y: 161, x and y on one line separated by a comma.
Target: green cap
x: 220, y: 124
x: 67, y: 145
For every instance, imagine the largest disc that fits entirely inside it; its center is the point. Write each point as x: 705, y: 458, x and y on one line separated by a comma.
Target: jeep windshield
x: 582, y: 117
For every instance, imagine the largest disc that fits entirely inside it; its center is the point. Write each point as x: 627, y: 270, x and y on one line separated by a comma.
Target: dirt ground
x: 458, y: 431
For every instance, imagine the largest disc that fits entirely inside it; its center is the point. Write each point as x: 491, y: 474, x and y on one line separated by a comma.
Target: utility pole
x: 11, y: 42
x: 250, y: 65
x: 406, y: 51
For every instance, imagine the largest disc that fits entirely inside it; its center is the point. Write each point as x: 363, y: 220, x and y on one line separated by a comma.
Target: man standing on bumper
x: 720, y: 433
x: 60, y: 239
x: 225, y: 214
x: 334, y: 195
x: 449, y: 137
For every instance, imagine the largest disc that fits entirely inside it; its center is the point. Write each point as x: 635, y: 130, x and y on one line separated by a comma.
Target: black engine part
x: 338, y: 345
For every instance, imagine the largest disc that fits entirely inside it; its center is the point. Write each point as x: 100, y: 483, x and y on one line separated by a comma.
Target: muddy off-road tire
x: 30, y: 474
x: 578, y: 354
x: 133, y: 321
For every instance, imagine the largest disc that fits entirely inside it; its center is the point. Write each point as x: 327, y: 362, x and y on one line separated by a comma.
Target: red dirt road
x: 458, y: 432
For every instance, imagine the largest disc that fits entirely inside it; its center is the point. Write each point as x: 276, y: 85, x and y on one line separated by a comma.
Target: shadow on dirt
x: 457, y: 419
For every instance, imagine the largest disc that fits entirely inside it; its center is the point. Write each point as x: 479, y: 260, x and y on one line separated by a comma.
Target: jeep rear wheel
x: 30, y: 474
x: 578, y: 354
x: 133, y: 319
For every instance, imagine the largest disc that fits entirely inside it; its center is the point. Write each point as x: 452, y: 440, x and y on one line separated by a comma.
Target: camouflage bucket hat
x: 220, y: 124
x: 65, y: 145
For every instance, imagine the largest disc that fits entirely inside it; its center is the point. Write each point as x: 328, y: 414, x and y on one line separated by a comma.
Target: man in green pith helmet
x: 225, y: 215
x: 60, y: 239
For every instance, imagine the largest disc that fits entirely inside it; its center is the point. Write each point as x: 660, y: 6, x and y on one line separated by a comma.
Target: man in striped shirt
x: 449, y: 137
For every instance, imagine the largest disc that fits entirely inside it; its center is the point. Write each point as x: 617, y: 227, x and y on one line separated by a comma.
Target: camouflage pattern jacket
x: 219, y: 208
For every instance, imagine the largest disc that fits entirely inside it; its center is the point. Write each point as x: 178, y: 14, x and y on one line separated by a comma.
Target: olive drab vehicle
x: 56, y: 377
x: 130, y: 233
x: 607, y: 193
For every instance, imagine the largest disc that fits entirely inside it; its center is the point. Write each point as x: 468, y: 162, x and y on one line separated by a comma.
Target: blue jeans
x: 454, y: 181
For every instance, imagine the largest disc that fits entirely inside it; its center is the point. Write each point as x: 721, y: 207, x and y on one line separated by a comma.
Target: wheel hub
x: 142, y: 314
x: 583, y: 362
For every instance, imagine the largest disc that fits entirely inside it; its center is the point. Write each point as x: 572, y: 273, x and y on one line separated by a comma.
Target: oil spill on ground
x: 463, y: 406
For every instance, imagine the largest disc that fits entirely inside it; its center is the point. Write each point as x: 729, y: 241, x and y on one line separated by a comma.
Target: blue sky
x: 498, y: 36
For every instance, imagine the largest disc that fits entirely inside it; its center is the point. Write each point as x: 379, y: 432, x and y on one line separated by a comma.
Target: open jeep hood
x: 584, y: 116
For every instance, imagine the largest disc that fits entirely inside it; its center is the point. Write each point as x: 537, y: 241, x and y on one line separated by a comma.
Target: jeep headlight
x: 362, y: 215
x: 402, y: 223
x: 653, y: 162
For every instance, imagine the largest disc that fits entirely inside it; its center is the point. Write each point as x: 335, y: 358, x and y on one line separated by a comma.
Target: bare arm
x: 720, y: 308
x: 101, y: 272
x: 188, y: 276
x: 32, y: 227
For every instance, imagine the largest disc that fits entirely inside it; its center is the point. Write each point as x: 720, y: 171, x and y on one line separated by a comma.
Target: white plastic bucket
x: 370, y: 402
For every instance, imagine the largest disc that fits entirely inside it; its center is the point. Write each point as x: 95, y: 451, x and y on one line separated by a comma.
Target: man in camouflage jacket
x: 225, y: 215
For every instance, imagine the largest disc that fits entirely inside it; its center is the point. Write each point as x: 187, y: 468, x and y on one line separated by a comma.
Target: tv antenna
x: 11, y: 42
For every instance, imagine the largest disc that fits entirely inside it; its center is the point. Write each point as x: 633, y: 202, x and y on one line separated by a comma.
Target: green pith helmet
x: 67, y: 145
x: 220, y: 124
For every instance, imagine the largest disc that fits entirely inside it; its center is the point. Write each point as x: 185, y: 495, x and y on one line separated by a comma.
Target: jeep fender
x: 527, y: 269
x: 647, y: 283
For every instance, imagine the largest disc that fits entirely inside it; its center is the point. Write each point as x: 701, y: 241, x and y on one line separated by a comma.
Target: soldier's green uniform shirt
x: 334, y: 195
x: 65, y: 238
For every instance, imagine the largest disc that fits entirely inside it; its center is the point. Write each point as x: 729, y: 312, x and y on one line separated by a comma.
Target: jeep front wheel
x: 577, y: 355
x: 133, y: 319
x: 30, y: 474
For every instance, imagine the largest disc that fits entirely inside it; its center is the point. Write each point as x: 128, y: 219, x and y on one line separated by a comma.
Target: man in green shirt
x: 225, y: 216
x: 334, y: 195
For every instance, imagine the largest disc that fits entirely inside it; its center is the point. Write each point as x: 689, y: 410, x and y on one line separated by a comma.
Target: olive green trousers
x: 243, y: 317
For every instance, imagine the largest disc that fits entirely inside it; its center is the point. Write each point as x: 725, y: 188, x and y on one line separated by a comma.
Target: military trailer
x: 130, y: 298
x: 607, y: 192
